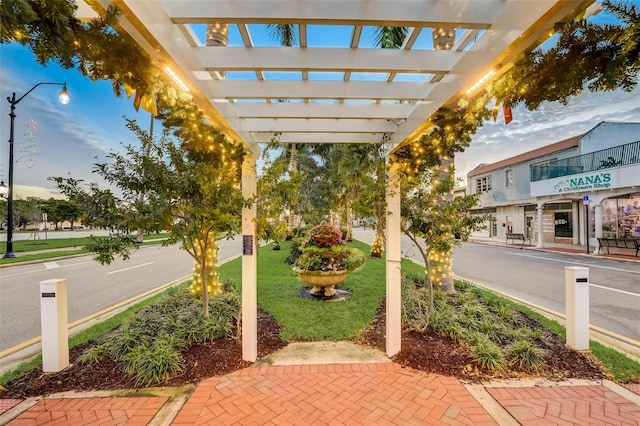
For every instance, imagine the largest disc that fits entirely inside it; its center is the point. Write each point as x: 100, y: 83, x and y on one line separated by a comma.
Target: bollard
x: 577, y: 307
x: 54, y: 323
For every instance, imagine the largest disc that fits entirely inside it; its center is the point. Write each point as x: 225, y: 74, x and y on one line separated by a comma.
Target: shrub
x: 153, y: 363
x: 415, y: 306
x: 523, y: 354
x: 488, y: 355
x: 149, y: 344
x: 295, y: 251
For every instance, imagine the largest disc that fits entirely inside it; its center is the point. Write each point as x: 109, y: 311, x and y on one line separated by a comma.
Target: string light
x: 177, y: 79
x: 480, y: 82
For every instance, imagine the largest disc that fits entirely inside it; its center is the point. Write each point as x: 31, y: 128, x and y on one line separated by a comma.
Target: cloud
x: 552, y: 123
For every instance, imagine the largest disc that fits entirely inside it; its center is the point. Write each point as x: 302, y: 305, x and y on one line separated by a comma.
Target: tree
x: 433, y: 220
x: 294, y: 162
x: 276, y: 189
x: 194, y: 193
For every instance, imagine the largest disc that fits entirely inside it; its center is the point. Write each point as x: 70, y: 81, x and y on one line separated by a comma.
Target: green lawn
x: 304, y: 319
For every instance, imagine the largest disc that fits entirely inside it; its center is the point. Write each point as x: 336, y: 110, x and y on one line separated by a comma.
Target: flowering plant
x: 324, y: 235
x: 324, y: 250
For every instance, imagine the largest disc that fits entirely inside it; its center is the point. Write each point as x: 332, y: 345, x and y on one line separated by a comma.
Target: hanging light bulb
x: 444, y: 38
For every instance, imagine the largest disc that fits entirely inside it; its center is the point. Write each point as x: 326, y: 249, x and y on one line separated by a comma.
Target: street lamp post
x: 64, y: 98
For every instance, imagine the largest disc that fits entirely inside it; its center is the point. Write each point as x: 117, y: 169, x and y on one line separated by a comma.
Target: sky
x: 68, y: 139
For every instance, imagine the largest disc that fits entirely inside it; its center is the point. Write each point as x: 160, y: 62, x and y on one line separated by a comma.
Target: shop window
x: 563, y: 225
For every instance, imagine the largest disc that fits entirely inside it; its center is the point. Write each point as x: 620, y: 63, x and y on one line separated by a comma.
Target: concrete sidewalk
x: 286, y: 389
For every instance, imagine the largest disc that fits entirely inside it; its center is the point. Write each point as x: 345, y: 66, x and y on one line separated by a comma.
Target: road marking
x: 107, y: 310
x: 131, y: 267
x: 51, y: 265
x: 614, y: 289
x: 40, y: 270
x: 589, y: 265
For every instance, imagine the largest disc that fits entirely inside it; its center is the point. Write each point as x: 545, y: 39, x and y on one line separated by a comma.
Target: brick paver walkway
x: 633, y: 388
x: 346, y: 394
x: 91, y: 411
x: 7, y: 404
x: 340, y: 394
x: 567, y: 405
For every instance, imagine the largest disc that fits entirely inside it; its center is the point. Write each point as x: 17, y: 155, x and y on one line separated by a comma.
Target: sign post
x: 585, y: 200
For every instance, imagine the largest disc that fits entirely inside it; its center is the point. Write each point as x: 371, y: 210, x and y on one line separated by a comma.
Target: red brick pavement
x: 334, y: 394
x: 7, y: 404
x: 91, y: 411
x: 633, y: 388
x: 567, y: 405
x: 346, y: 394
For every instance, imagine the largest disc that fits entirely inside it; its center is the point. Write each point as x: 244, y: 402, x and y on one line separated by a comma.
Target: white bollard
x: 54, y: 323
x: 577, y: 307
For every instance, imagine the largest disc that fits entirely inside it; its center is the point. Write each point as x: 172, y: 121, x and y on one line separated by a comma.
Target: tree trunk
x: 205, y: 275
x: 446, y: 261
x: 349, y: 236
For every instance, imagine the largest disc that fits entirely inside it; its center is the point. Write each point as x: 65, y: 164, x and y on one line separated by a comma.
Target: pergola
x: 333, y: 86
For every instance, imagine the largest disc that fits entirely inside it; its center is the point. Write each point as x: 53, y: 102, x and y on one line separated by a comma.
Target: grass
x: 304, y: 319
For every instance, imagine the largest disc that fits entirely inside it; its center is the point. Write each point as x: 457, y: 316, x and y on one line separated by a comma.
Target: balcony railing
x: 622, y: 155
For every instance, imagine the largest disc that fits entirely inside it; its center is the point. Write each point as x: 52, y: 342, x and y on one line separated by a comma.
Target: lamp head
x: 64, y: 96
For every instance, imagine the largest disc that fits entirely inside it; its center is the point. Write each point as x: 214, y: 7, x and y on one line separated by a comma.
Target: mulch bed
x: 422, y: 351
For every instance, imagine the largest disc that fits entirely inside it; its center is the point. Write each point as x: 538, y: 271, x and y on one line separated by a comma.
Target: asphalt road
x: 91, y: 286
x: 538, y: 277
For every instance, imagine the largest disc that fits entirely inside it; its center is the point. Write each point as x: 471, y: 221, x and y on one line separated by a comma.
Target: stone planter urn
x: 322, y: 281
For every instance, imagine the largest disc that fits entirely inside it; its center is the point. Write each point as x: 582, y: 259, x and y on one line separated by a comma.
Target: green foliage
x: 149, y: 343
x: 106, y: 247
x: 415, y: 306
x: 524, y: 355
x: 304, y: 319
x: 295, y: 250
x: 324, y: 250
x: 94, y: 354
x: 489, y: 355
x: 586, y: 55
x: 153, y: 363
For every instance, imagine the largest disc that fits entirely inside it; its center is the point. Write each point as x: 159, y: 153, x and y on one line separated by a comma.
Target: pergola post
x: 249, y: 263
x: 393, y: 256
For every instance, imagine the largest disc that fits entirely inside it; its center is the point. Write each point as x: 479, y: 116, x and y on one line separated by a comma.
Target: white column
x: 577, y: 307
x: 598, y: 218
x: 54, y: 325
x: 249, y: 263
x: 393, y: 257
x: 575, y: 219
x: 539, y: 208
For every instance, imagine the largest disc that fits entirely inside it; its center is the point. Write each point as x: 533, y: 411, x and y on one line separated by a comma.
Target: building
x: 593, y: 177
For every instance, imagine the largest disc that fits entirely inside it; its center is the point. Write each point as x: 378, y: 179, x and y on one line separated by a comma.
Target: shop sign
x: 584, y: 183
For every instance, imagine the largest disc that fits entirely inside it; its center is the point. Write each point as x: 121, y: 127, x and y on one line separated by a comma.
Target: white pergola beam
x: 327, y: 137
x: 243, y: 89
x: 407, y: 13
x: 319, y: 110
x: 326, y: 59
x: 318, y: 126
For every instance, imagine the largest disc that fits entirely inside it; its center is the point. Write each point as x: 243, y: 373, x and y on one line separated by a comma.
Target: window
x: 509, y: 178
x: 483, y: 184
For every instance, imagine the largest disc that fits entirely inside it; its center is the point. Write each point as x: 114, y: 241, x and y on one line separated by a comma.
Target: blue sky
x: 69, y: 139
